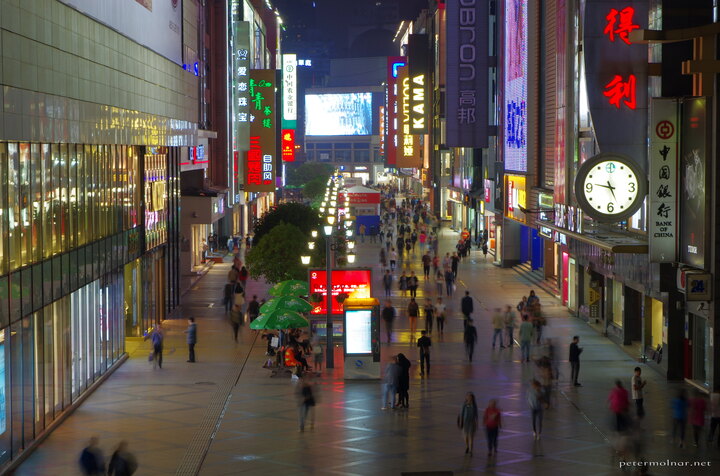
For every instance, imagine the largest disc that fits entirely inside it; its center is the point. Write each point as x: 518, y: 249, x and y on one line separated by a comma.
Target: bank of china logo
x: 610, y: 167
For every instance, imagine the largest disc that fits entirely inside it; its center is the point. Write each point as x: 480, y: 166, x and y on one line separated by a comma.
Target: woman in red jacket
x: 491, y: 420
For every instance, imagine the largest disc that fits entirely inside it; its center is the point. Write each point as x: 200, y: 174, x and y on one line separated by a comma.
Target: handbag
x: 239, y: 299
x: 151, y: 357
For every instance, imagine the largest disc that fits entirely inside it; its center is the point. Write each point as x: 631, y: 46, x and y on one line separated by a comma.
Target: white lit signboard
x: 289, y: 115
x: 358, y: 331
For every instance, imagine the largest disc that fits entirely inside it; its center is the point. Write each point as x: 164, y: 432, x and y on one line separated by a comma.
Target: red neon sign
x: 620, y: 23
x: 288, y: 145
x: 356, y: 283
x: 618, y: 90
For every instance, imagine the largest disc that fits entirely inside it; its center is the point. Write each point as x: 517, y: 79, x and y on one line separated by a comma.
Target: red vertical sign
x: 288, y: 145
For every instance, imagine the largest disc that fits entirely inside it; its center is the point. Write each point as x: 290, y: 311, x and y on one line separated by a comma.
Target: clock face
x: 609, y: 188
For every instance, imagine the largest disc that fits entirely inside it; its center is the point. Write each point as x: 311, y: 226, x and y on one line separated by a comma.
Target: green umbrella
x: 291, y: 287
x: 279, y: 319
x: 291, y: 303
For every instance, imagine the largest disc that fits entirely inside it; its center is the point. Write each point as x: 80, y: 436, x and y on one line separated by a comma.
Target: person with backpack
x: 122, y: 462
x: 429, y: 310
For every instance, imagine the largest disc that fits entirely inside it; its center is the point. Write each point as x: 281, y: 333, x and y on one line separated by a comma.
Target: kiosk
x: 361, y: 338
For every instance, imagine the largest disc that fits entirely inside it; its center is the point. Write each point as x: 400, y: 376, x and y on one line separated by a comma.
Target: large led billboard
x: 338, y: 114
x: 515, y: 68
x: 157, y: 25
x: 356, y: 283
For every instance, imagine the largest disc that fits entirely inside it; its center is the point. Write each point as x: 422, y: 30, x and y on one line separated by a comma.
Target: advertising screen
x: 339, y: 114
x: 155, y: 24
x: 358, y: 329
x: 516, y: 31
x: 356, y: 283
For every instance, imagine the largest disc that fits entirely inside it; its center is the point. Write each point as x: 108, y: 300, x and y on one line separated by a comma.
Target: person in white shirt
x: 637, y: 384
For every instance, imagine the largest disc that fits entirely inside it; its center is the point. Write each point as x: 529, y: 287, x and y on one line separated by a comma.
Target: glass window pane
x: 3, y: 210
x: 24, y: 203
x: 72, y: 197
x: 13, y: 208
x: 48, y: 364
x: 28, y: 376
x: 26, y: 296
x: 16, y: 385
x: 57, y: 277
x: 4, y: 393
x: 37, y: 346
x: 15, y: 296
x: 37, y: 287
x: 81, y: 204
x: 65, y: 272
x: 48, y: 228
x: 56, y: 207
x: 64, y: 202
x: 47, y: 282
x: 4, y: 307
x: 36, y: 193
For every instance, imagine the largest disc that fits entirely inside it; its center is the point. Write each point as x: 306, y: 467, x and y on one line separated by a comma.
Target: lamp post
x: 330, y: 357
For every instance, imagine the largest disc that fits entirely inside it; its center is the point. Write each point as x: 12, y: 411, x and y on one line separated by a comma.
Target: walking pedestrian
x: 439, y: 282
x: 714, y: 416
x: 679, y: 407
x: 157, y: 337
x: 429, y: 310
x: 317, y: 348
x: 403, y: 284
x: 191, y: 332
x: 637, y: 384
x: 454, y: 261
x: 535, y: 400
x: 697, y: 416
x: 449, y: 282
x: 618, y: 402
x: 468, y: 421
x: 306, y: 393
x: 575, y: 352
x: 383, y: 258
x: 525, y: 333
x: 509, y: 324
x: 387, y: 282
x: 466, y: 307
x: 470, y: 338
x: 492, y: 423
x: 424, y: 343
x: 362, y: 233
x: 235, y: 320
x: 413, y: 284
x: 426, y: 261
x: 440, y: 315
x: 253, y: 309
x: 403, y: 381
x: 393, y: 259
x: 92, y: 461
x: 392, y: 380
x: 122, y: 462
x: 413, y: 310
x: 228, y: 292
x: 388, y: 315
x: 498, y: 322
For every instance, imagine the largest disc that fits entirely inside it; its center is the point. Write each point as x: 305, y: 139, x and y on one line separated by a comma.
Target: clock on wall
x: 610, y: 187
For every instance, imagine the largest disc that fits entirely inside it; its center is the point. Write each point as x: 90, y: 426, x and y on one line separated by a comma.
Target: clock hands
x: 612, y: 189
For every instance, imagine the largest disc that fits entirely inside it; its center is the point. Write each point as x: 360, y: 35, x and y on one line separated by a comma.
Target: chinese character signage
x: 466, y: 66
x: 240, y: 100
x: 260, y: 166
x: 356, y: 283
x: 662, y: 211
x: 616, y: 75
x: 694, y: 210
x: 515, y: 112
x: 419, y: 83
x: 394, y: 65
x: 289, y: 91
x: 408, y: 147
x: 288, y: 145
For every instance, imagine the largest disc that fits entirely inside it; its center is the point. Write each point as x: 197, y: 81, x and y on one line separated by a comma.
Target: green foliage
x: 307, y: 172
x: 314, y: 189
x: 276, y: 257
x: 302, y: 216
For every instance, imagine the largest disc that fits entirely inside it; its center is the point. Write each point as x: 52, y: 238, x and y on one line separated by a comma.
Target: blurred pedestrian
x: 468, y: 421
x: 362, y: 233
x: 426, y: 261
x: 698, y: 405
x: 449, y: 282
x: 618, y: 402
x: 492, y: 423
x: 470, y: 338
x: 403, y: 284
x: 388, y: 315
x: 306, y: 394
x: 392, y: 381
x: 235, y: 320
x: 191, y: 332
x: 454, y: 261
x: 92, y: 461
x: 509, y: 318
x: 429, y: 310
x: 466, y: 307
x: 424, y: 343
x: 714, y: 416
x: 574, y: 358
x: 403, y: 381
x: 498, y: 322
x: 679, y: 406
x: 535, y: 400
x: 413, y: 311
x: 393, y: 259
x: 122, y: 462
x: 387, y: 282
x: 412, y: 283
x: 637, y: 385
x: 253, y: 309
x: 439, y: 282
x: 440, y: 315
x: 525, y: 333
x: 157, y: 337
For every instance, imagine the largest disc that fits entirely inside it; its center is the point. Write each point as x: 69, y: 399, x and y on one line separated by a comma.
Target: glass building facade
x: 87, y: 235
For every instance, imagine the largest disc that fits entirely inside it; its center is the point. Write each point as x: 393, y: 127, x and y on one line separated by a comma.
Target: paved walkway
x: 225, y: 416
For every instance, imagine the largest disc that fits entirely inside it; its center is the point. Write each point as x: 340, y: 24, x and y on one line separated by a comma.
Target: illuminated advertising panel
x: 288, y: 145
x: 516, y: 197
x: 157, y: 25
x: 260, y: 159
x: 381, y: 116
x: 358, y: 331
x: 289, y: 115
x: 240, y: 102
x: 394, y: 64
x: 466, y: 104
x: 408, y: 149
x: 338, y: 114
x: 515, y: 63
x: 419, y: 81
x: 356, y: 283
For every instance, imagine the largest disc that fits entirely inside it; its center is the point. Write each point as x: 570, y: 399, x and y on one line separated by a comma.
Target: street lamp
x: 322, y: 209
x: 351, y: 245
x: 330, y: 357
x: 351, y: 258
x: 331, y: 211
x: 311, y: 245
x: 331, y: 219
x: 313, y: 233
x: 304, y: 259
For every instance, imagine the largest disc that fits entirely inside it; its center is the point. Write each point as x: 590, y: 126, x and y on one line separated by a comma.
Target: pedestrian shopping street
x: 224, y: 415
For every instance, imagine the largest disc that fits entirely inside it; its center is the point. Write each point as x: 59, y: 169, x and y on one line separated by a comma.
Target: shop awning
x: 611, y: 241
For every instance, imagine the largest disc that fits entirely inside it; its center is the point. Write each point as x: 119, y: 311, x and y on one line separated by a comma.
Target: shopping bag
x: 151, y: 357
